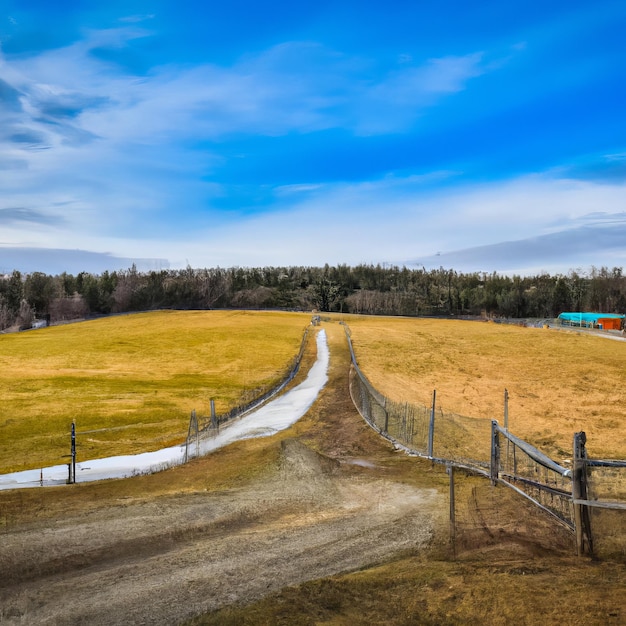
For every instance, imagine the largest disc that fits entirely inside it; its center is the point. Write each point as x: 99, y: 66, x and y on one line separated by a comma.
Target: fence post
x: 213, y: 418
x: 193, y: 425
x: 506, y: 425
x: 582, y: 519
x: 495, y: 452
x: 386, y: 429
x: 506, y: 410
x: 431, y: 426
x: 73, y: 453
x: 367, y: 404
x: 452, y: 511
x: 197, y: 438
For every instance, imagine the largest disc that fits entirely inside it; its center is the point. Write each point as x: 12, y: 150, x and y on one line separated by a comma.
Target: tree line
x: 363, y: 289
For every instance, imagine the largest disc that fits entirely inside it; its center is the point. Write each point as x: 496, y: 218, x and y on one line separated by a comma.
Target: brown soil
x: 161, y: 561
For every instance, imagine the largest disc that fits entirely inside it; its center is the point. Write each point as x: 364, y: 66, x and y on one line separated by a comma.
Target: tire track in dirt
x: 191, y: 554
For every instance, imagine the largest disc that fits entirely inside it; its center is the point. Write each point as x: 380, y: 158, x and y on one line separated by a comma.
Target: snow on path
x: 267, y: 420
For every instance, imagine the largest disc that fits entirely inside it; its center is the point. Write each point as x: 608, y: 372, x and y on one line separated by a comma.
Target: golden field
x: 559, y: 382
x: 133, y: 379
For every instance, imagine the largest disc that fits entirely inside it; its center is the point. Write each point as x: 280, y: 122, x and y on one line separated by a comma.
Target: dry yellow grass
x: 559, y: 382
x: 134, y: 379
x: 417, y: 591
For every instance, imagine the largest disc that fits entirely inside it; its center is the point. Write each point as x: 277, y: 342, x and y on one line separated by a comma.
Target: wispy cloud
x: 391, y: 221
x: 572, y: 249
x: 395, y: 102
x: 620, y: 157
x: 268, y: 93
x: 29, y: 216
x: 57, y: 260
x: 418, y: 85
x: 133, y: 19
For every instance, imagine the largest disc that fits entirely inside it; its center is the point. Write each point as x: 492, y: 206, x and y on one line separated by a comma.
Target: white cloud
x: 288, y: 190
x: 399, y: 98
x: 395, y: 221
x: 619, y: 157
x: 442, y: 76
x: 270, y: 93
x: 133, y: 19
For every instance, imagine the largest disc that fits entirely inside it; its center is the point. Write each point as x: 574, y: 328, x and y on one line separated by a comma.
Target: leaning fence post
x: 193, y: 425
x: 495, y: 452
x: 431, y: 426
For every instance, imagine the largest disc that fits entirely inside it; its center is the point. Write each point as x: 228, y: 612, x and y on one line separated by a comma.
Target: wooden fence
x: 566, y: 493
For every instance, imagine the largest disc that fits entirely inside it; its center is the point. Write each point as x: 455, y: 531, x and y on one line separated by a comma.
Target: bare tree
x: 68, y: 308
x: 26, y: 315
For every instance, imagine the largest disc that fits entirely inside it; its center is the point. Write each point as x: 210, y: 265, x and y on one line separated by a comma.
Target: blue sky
x: 483, y: 136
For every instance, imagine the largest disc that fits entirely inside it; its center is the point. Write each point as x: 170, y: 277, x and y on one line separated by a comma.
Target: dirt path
x: 162, y: 562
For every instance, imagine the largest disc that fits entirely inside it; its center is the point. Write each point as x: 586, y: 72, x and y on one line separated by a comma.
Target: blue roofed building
x: 601, y: 321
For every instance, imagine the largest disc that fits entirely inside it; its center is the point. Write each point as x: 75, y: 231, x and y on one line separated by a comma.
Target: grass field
x: 134, y: 379
x: 559, y: 382
x: 513, y: 564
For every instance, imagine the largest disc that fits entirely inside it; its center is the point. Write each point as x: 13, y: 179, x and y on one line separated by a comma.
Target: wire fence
x: 606, y: 504
x: 530, y: 472
x: 589, y: 491
x: 206, y: 427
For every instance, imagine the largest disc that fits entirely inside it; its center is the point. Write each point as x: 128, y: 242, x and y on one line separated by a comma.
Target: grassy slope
x: 137, y: 377
x: 558, y: 382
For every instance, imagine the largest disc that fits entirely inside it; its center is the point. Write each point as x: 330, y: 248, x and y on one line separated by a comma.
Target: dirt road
x: 164, y: 561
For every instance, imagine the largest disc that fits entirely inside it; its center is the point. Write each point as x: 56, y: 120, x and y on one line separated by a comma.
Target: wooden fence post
x: 506, y: 410
x: 582, y: 520
x: 506, y: 425
x: 197, y: 438
x: 214, y: 423
x: 431, y: 426
x: 495, y: 452
x: 73, y: 453
x: 452, y: 512
x: 386, y: 428
x: 193, y: 426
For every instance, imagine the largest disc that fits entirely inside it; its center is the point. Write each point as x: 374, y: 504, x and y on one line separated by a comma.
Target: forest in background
x: 363, y: 289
